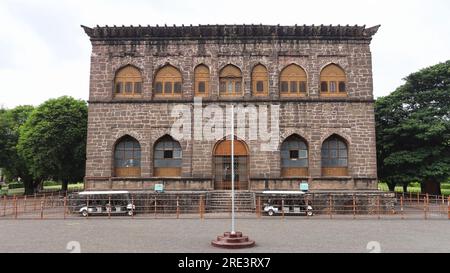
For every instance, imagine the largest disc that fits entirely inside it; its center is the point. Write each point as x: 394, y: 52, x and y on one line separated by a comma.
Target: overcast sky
x: 44, y: 53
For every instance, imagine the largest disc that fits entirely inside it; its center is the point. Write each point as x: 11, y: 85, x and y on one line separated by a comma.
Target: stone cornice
x: 277, y: 101
x: 231, y: 32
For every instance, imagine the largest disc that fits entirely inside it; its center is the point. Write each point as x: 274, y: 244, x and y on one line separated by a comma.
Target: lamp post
x: 233, y: 239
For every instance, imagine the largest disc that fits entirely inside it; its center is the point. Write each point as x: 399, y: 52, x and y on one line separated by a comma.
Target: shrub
x: 15, y: 185
x: 51, y: 183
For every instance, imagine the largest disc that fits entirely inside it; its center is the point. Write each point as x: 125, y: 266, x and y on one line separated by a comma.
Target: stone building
x: 314, y: 81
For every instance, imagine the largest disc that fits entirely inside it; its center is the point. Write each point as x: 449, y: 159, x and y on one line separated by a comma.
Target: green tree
x: 413, y: 130
x: 11, y: 162
x: 53, y: 140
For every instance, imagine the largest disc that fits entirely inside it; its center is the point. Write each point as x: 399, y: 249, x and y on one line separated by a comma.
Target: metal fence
x: 151, y: 206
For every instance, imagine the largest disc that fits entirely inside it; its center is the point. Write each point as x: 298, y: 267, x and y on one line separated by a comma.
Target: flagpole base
x: 233, y: 241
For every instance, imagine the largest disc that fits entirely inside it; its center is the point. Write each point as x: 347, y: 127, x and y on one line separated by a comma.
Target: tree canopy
x: 413, y: 130
x: 53, y: 140
x: 13, y: 165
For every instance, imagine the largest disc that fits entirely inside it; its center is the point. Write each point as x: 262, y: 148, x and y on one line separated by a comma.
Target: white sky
x: 44, y: 52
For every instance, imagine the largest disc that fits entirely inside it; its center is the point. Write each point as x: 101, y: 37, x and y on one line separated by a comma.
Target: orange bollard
x: 330, y: 204
x: 155, y: 207
x: 15, y: 207
x: 5, y: 198
x: 87, y: 206
x: 204, y: 207
x: 25, y: 204
x: 260, y: 207
x: 109, y: 207
x: 257, y: 208
x: 448, y: 207
x: 42, y: 209
x: 354, y: 207
x: 401, y: 207
x: 178, y: 207
x: 65, y: 206
x: 378, y: 207
x: 307, y: 205
x: 425, y: 208
x: 132, y: 207
x: 200, y: 207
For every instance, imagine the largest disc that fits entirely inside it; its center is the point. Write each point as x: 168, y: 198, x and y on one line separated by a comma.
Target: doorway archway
x: 222, y: 165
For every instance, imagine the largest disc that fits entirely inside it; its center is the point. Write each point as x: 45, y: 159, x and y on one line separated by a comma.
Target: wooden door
x: 222, y: 161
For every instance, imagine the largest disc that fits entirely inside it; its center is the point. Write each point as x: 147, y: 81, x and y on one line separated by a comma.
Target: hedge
x: 15, y: 185
x: 51, y: 183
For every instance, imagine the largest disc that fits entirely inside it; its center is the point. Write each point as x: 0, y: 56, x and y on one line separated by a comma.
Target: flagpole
x: 232, y: 239
x: 233, y: 231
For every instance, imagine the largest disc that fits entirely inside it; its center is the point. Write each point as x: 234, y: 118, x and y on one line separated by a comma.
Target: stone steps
x: 220, y: 201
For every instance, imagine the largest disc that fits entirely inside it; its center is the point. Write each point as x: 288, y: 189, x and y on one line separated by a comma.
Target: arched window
x: 293, y: 81
x: 201, y: 75
x: 167, y: 82
x: 333, y: 82
x: 334, y: 157
x: 128, y: 82
x: 260, y: 81
x: 167, y: 157
x: 127, y: 157
x: 294, y: 157
x: 230, y: 81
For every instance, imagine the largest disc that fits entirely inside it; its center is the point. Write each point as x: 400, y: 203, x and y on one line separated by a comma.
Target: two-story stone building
x: 319, y: 77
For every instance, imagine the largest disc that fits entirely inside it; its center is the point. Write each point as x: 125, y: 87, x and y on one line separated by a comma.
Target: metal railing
x: 151, y: 206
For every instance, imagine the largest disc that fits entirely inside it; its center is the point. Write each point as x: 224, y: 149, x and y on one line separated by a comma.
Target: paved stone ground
x: 294, y: 234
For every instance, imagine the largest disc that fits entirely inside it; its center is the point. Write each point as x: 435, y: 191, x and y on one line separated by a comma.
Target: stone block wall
x: 312, y: 117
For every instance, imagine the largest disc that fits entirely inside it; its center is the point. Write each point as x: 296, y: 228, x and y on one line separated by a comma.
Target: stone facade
x: 313, y: 117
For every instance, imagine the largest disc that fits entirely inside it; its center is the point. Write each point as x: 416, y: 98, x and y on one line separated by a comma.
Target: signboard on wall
x: 159, y: 187
x: 304, y: 186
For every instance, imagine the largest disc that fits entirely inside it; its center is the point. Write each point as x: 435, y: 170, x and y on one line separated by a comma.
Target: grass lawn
x: 415, y: 188
x: 20, y: 191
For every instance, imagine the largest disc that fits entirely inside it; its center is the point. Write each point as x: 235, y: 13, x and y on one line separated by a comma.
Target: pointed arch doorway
x: 222, y: 165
